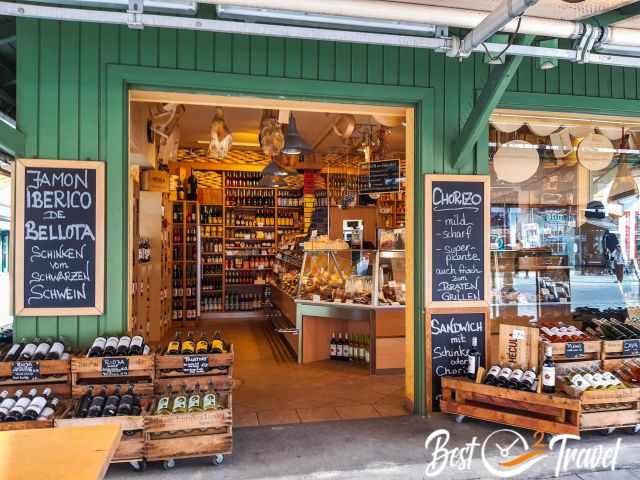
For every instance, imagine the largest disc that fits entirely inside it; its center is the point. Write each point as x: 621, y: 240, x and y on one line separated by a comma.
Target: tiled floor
x: 272, y: 389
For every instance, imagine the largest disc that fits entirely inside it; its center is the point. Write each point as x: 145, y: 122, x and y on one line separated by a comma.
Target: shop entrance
x: 285, y: 228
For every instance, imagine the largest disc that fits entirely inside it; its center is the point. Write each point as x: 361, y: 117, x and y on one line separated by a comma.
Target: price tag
x: 574, y: 350
x: 115, y: 367
x: 25, y: 370
x: 517, y: 334
x: 315, y: 298
x: 631, y: 347
x: 195, y: 364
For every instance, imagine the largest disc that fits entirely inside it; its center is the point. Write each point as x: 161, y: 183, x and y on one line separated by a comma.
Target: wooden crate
x: 169, y: 371
x: 592, y: 351
x: 87, y: 371
x: 188, y: 435
x: 612, y: 349
x: 29, y: 424
x: 555, y: 414
x: 131, y: 446
x: 54, y: 374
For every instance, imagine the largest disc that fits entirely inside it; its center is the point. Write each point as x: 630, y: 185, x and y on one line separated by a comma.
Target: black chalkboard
x: 60, y: 243
x: 115, y: 367
x: 451, y: 337
x: 457, y: 241
x: 631, y: 347
x: 381, y: 176
x: 195, y: 364
x: 574, y: 350
x: 25, y: 370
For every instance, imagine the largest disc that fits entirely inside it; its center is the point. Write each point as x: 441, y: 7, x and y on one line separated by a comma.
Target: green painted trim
x: 617, y: 15
x: 570, y: 103
x: 496, y: 85
x: 11, y: 139
x: 121, y: 78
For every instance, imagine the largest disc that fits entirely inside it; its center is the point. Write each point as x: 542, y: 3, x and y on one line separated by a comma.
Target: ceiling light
x: 183, y: 7
x: 272, y: 181
x: 294, y: 144
x: 624, y: 185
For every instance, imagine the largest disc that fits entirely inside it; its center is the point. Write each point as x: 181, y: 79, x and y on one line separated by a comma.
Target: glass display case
x: 391, y: 281
x: 338, y: 276
x: 286, y: 270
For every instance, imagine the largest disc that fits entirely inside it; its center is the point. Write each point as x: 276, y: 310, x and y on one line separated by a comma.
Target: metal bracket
x: 453, y: 50
x: 586, y: 43
x: 134, y: 14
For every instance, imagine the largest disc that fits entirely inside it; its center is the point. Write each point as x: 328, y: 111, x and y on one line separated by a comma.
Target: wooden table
x: 78, y: 453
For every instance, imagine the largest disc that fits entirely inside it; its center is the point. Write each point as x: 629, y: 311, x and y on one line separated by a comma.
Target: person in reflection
x: 618, y: 263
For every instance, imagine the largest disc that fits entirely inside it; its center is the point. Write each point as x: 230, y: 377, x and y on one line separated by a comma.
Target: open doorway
x: 285, y: 226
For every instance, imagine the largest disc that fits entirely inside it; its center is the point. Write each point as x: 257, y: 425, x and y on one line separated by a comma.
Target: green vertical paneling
x: 241, y: 49
x: 482, y: 72
x: 89, y: 91
x: 343, y: 62
x: 467, y: 100
x: 604, y: 80
x: 406, y: 68
x: 629, y: 83
x: 617, y: 82
x: 129, y: 41
x: 310, y: 59
x: 436, y: 81
x: 579, y: 81
x: 375, y: 65
x: 186, y: 50
x: 204, y: 51
x: 552, y: 79
x: 222, y: 52
x: 327, y: 61
x: 167, y: 48
x: 524, y: 75
x: 566, y: 78
x: 421, y: 68
x: 592, y: 80
x: 390, y: 65
x: 149, y: 47
x: 258, y: 56
x: 293, y: 58
x: 451, y: 109
x: 276, y: 57
x: 358, y: 63
x: 109, y: 54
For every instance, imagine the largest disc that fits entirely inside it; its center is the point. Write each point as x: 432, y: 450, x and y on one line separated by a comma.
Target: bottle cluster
x: 242, y: 179
x: 557, y: 332
x: 210, y: 215
x: 250, y: 198
x: 201, y: 346
x: 511, y: 377
x: 629, y: 371
x: 118, y: 346
x: 259, y: 218
x: 256, y: 277
x: 185, y: 401
x: 104, y: 405
x: 290, y: 198
x: 248, y: 262
x: 213, y: 259
x: 243, y: 302
x: 211, y: 302
x: 212, y: 246
x: 593, y: 378
x: 212, y: 231
x: 612, y: 329
x: 32, y: 406
x: 212, y: 268
x: 37, y: 349
x: 241, y: 234
x: 356, y: 349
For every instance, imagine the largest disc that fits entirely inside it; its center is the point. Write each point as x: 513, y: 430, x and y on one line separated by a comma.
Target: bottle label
x: 202, y: 345
x: 57, y: 348
x: 173, y: 346
x: 136, y: 341
x: 472, y: 367
x: 505, y: 373
x: 529, y: 376
x: 217, y: 345
x: 7, y: 404
x: 29, y: 350
x: 209, y: 401
x: 112, y: 342
x: 38, y: 404
x: 366, y: 356
x: 21, y: 404
x: 516, y: 375
x: 13, y: 350
x: 188, y: 345
x: 163, y: 404
x: 124, y: 342
x: 194, y: 401
x: 495, y: 370
x: 180, y: 402
x: 98, y: 342
x: 333, y: 350
x: 361, y: 353
x: 339, y: 350
x: 549, y: 376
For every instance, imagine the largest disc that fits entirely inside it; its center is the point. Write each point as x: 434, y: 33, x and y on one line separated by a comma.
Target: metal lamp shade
x: 294, y: 144
x: 272, y: 181
x: 624, y: 185
x: 274, y: 170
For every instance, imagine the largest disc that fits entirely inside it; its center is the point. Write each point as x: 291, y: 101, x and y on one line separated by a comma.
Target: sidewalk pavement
x: 383, y: 448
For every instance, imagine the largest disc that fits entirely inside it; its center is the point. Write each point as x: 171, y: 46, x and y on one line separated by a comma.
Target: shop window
x: 565, y: 215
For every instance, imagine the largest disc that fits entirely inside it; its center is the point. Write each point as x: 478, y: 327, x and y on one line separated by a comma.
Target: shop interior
x: 283, y: 226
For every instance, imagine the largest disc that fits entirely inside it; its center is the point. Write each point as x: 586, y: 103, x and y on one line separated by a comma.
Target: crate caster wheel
x: 460, y: 418
x: 607, y: 431
x: 138, y: 465
x: 169, y: 464
x: 635, y: 429
x: 217, y: 459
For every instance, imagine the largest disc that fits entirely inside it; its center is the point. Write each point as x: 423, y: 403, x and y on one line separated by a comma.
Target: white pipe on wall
x: 386, y: 10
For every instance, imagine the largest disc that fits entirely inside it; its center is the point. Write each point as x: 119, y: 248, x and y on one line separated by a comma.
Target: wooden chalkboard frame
x: 429, y: 344
x: 397, y: 184
x: 484, y: 179
x: 21, y: 165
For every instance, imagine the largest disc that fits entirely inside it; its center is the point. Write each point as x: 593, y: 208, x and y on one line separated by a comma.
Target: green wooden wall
x: 61, y: 75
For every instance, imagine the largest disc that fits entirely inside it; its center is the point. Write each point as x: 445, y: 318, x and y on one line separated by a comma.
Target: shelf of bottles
x: 184, y: 260
x: 391, y: 208
x: 211, y: 217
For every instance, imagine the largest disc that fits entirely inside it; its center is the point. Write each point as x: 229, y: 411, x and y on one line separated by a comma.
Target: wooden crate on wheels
x: 553, y: 414
x: 573, y: 351
x: 612, y: 349
x: 40, y: 374
x: 131, y: 446
x: 138, y: 370
x: 190, y: 435
x: 178, y: 370
x: 29, y: 424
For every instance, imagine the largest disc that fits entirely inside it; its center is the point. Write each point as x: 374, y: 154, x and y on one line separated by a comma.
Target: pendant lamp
x: 294, y: 144
x: 272, y: 181
x: 624, y: 185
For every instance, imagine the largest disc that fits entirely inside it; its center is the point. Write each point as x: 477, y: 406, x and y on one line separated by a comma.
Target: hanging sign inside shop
x: 23, y: 370
x: 380, y: 177
x: 574, y: 350
x: 59, y: 214
x: 451, y: 337
x: 193, y: 364
x: 457, y: 208
x: 115, y: 367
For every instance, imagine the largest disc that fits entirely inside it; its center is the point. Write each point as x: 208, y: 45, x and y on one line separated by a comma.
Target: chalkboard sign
x: 195, y: 364
x: 115, y: 367
x: 458, y: 237
x: 381, y: 176
x: 631, y: 347
x: 451, y: 337
x: 24, y: 370
x: 574, y: 350
x: 59, y: 237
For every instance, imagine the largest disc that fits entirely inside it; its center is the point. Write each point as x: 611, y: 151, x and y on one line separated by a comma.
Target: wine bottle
x: 57, y: 350
x: 97, y: 348
x: 110, y: 347
x: 164, y: 403
x: 339, y: 347
x: 189, y: 345
x: 125, y: 407
x: 7, y: 404
x: 137, y: 345
x: 347, y: 355
x: 174, y: 345
x: 180, y: 401
x: 195, y: 404
x: 50, y: 409
x: 332, y: 346
x: 209, y: 398
x: 515, y: 378
x: 123, y: 346
x: 14, y: 352
x: 43, y: 349
x: 37, y: 405
x: 548, y: 371
x: 111, y: 404
x: 202, y: 347
x: 29, y: 349
x: 83, y: 405
x: 528, y: 380
x: 97, y: 403
x: 217, y: 344
x: 18, y: 409
x: 473, y: 359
